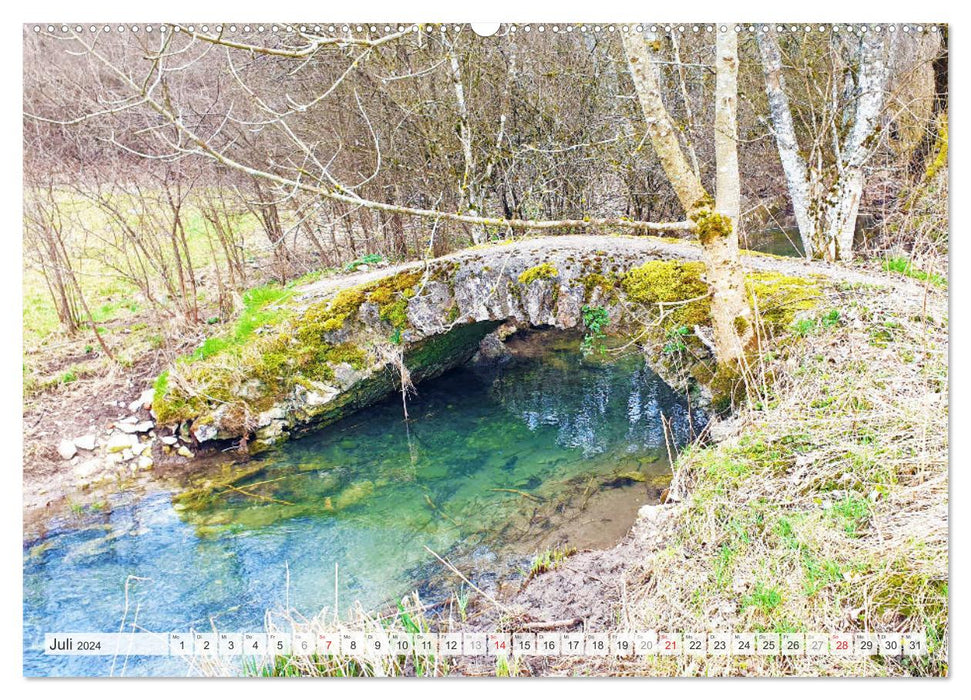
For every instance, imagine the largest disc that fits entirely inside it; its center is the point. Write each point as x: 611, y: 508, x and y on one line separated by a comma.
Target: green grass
x: 110, y: 297
x: 905, y: 267
x: 763, y: 599
x: 549, y: 560
x: 369, y: 259
x: 259, y: 309
x: 851, y: 513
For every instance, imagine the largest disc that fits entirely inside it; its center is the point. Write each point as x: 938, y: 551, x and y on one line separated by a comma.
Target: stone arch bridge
x: 341, y: 343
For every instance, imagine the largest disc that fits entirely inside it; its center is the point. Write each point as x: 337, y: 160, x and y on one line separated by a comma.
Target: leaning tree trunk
x: 793, y: 164
x: 826, y: 212
x: 717, y: 228
x: 731, y: 314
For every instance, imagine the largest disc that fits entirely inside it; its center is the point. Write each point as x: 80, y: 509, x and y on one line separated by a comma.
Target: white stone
x: 185, y: 452
x: 86, y: 470
x: 128, y: 427
x: 86, y: 442
x: 121, y: 441
x: 144, y: 400
x: 66, y: 449
x: 267, y: 417
x: 204, y: 432
x: 169, y: 439
x: 145, y: 462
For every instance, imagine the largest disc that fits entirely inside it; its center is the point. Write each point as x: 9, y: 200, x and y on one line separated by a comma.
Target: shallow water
x: 492, y: 466
x: 786, y: 242
x: 776, y: 241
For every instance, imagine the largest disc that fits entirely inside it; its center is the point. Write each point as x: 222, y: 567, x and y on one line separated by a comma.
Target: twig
x: 530, y: 496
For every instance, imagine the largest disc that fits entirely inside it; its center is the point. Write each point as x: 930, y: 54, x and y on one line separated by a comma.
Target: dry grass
x: 825, y: 511
x: 917, y: 232
x: 410, y: 618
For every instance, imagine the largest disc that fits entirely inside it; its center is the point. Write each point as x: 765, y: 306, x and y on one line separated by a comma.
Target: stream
x: 495, y: 464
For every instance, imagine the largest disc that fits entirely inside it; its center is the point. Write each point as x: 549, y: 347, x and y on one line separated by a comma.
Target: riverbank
x: 822, y: 507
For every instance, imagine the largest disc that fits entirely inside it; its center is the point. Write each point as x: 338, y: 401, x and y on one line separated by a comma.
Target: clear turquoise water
x: 368, y: 495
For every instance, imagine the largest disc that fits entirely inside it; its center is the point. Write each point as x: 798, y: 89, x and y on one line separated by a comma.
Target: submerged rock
x: 353, y: 494
x: 491, y: 350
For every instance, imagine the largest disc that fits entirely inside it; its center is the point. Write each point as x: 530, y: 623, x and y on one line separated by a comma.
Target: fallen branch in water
x: 440, y: 511
x: 530, y: 496
x: 262, y: 498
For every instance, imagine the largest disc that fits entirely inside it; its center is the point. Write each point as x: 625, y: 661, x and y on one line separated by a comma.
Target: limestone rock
x: 85, y: 470
x: 118, y: 442
x: 66, y: 449
x: 144, y: 400
x: 428, y: 310
x: 184, y: 451
x: 204, y: 432
x: 86, y: 442
x: 491, y: 350
x: 127, y: 426
x: 277, y: 413
x: 346, y: 376
x: 315, y: 398
x: 271, y: 431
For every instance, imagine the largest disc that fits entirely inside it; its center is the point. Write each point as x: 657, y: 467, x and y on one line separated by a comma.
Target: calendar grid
x: 470, y: 644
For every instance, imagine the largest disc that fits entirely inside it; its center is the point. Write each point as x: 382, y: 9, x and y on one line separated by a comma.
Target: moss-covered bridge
x: 311, y: 355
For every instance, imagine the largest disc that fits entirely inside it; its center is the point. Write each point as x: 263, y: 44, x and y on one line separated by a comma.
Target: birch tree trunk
x: 872, y: 84
x: 826, y: 212
x: 731, y: 315
x: 793, y: 164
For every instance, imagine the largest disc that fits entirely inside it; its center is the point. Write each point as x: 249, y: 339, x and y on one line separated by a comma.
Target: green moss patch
x: 711, y: 225
x: 543, y: 271
x: 779, y: 298
x: 279, y: 346
x: 668, y: 283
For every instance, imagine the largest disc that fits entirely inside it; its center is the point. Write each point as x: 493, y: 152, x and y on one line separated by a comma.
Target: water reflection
x: 487, y: 452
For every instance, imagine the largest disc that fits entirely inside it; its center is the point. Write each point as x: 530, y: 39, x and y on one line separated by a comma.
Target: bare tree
x: 826, y: 200
x: 717, y: 220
